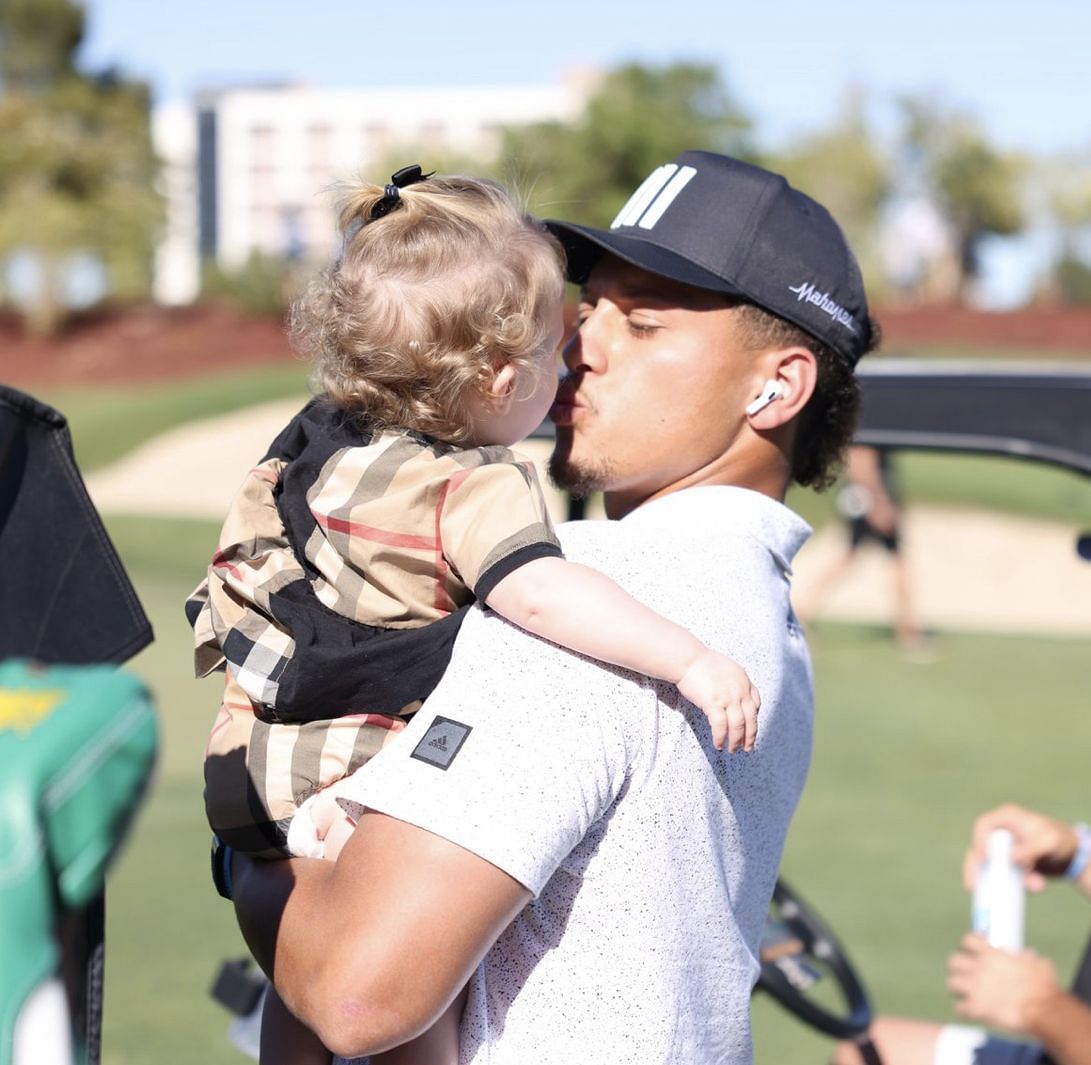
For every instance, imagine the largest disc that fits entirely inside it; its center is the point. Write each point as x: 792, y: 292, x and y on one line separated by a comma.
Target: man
x: 572, y: 826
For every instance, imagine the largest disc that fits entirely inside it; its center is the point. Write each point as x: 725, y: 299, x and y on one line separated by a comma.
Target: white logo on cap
x: 657, y: 192
x: 807, y: 292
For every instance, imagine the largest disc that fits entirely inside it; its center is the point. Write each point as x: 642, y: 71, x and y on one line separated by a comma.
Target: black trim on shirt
x: 509, y: 563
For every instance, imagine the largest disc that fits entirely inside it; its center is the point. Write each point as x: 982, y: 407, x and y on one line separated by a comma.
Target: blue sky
x: 1021, y: 68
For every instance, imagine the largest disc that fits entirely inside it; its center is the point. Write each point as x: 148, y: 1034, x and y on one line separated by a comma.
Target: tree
x: 978, y: 188
x: 37, y: 39
x: 637, y: 118
x: 844, y: 168
x: 77, y: 169
x: 1066, y: 182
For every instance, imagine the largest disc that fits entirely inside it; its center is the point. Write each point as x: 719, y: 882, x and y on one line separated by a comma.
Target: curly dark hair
x: 827, y: 423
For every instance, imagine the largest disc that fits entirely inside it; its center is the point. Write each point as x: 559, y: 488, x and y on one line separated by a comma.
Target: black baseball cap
x: 718, y: 223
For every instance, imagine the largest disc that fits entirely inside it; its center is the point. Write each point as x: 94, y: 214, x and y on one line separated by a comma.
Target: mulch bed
x: 1057, y: 331
x: 141, y: 344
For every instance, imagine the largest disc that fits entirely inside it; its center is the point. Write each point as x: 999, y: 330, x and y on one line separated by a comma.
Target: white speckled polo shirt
x: 651, y: 855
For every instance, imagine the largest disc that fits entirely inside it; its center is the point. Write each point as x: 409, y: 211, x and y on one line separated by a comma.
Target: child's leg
x: 324, y: 822
x: 285, y: 1040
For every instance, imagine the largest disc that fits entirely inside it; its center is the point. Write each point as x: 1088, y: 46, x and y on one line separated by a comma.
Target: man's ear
x: 794, y: 372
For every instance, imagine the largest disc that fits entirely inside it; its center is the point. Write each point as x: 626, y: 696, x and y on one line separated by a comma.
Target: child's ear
x: 503, y: 382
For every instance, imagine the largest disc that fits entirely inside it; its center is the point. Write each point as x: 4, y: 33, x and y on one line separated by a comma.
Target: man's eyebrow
x: 646, y: 293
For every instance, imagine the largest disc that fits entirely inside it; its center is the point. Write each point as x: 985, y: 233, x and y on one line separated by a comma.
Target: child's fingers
x: 736, y: 728
x: 744, y: 716
x: 751, y: 706
x: 719, y: 721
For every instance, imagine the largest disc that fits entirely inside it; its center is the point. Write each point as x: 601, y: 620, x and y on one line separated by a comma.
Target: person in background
x: 869, y: 504
x: 1017, y: 992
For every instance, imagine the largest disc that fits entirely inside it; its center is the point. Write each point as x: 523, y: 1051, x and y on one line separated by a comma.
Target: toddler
x: 386, y: 507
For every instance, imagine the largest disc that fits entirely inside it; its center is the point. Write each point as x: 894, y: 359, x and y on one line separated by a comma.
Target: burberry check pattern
x: 335, y: 594
x: 257, y: 773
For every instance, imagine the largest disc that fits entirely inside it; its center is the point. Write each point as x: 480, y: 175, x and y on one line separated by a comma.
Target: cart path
x: 969, y: 569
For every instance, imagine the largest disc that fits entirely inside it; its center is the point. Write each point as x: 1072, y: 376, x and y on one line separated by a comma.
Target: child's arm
x: 583, y: 609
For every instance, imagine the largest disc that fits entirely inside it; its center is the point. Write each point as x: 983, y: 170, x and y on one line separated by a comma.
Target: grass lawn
x: 166, y: 927
x: 108, y: 421
x: 905, y: 756
x: 1004, y: 485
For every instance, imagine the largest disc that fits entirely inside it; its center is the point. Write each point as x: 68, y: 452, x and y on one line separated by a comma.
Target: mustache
x: 569, y: 391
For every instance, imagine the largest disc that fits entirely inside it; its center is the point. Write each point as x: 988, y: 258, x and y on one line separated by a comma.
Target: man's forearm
x: 290, y: 920
x: 369, y: 951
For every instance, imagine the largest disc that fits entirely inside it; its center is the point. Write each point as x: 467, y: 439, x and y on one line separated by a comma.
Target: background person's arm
x: 1019, y: 992
x: 369, y: 951
x: 1064, y: 1029
x: 1043, y: 845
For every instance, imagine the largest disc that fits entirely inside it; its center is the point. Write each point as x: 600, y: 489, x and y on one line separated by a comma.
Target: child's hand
x: 719, y: 686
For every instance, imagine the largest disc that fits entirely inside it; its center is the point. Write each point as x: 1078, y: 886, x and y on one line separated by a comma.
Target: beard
x: 579, y: 479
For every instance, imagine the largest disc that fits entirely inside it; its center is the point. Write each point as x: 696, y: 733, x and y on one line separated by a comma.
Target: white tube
x: 1000, y: 895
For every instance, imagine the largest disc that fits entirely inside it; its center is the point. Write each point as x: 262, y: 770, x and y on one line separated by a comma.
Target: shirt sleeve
x: 511, y: 759
x: 494, y: 520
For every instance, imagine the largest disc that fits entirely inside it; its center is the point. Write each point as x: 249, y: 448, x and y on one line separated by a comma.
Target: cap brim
x: 584, y: 245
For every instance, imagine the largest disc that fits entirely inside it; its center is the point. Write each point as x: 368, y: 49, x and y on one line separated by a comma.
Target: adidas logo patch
x: 441, y: 743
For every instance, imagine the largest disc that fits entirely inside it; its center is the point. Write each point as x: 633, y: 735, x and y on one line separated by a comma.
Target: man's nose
x: 584, y: 350
x: 572, y: 353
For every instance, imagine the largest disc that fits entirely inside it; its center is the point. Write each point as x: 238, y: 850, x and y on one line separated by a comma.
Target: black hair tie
x: 408, y: 175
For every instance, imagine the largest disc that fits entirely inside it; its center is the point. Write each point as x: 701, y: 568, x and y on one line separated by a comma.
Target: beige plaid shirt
x: 393, y: 534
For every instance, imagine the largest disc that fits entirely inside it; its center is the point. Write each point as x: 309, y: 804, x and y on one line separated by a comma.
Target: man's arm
x: 863, y: 469
x: 370, y: 950
x: 506, y: 767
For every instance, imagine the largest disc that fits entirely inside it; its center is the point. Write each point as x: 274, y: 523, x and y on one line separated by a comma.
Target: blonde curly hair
x: 427, y: 302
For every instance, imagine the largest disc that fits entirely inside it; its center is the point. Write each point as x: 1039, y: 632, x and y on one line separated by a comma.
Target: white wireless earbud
x: 769, y: 391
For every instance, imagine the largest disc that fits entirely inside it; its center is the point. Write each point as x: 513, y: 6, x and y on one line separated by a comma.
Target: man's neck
x: 766, y: 473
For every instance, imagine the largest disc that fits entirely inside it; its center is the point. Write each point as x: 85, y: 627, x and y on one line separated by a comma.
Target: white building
x: 177, y: 271
x: 250, y: 169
